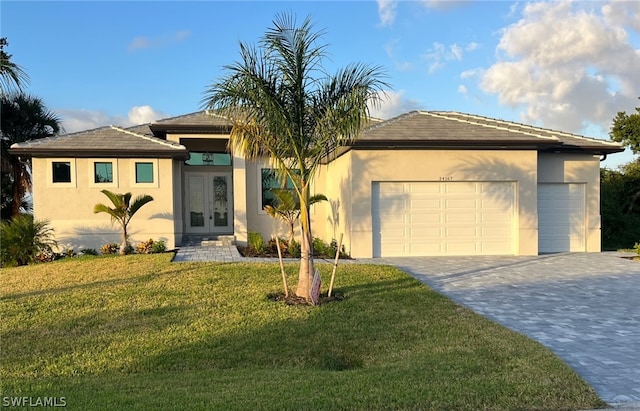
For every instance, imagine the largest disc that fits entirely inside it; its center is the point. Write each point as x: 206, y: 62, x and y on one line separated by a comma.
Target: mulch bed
x: 293, y: 299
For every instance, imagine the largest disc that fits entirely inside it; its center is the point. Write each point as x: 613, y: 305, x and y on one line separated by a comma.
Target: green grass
x: 139, y: 332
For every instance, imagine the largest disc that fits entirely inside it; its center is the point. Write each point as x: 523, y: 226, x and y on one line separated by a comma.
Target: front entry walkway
x: 585, y: 307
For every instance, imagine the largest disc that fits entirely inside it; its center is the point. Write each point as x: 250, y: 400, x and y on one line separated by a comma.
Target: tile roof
x: 109, y: 141
x: 433, y: 128
x: 416, y: 129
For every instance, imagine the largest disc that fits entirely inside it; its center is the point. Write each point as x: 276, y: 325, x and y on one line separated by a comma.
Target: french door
x: 209, y: 203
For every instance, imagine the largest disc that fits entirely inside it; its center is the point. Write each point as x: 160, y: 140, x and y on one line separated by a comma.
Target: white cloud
x: 439, y: 54
x: 570, y: 66
x: 394, y: 105
x: 143, y: 42
x: 390, y: 49
x: 623, y: 13
x: 387, y: 12
x: 462, y: 89
x: 74, y: 120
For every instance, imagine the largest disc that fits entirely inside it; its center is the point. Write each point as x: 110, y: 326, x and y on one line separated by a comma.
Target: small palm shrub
x: 23, y: 239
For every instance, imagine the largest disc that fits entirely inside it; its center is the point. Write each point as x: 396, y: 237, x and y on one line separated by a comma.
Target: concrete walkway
x: 585, y: 307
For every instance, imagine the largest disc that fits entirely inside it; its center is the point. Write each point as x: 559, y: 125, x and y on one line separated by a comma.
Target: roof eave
x: 79, y: 153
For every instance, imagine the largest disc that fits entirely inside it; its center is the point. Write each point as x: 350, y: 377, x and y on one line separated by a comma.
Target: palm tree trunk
x: 123, y: 244
x: 305, y: 275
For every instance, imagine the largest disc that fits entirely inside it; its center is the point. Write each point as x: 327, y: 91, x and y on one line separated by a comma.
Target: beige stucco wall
x: 368, y: 166
x: 577, y: 168
x: 69, y: 207
x: 259, y: 221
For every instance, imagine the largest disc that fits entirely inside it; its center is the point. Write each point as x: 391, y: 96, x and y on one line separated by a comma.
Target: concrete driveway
x: 585, y: 307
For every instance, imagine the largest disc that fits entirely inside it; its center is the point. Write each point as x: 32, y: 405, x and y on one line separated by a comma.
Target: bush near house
x: 256, y: 247
x: 25, y: 240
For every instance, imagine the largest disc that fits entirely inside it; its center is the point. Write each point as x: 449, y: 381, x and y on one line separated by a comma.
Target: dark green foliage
x: 255, y: 242
x: 89, y: 251
x: 159, y: 246
x: 25, y: 240
x: 295, y: 249
x: 24, y: 117
x: 620, y: 206
x: 626, y: 130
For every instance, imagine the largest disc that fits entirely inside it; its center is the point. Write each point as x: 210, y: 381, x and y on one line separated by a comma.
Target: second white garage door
x: 443, y: 218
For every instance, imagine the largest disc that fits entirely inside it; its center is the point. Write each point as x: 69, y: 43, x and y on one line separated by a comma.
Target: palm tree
x: 24, y: 117
x: 283, y: 105
x: 11, y: 75
x: 122, y: 212
x: 288, y: 207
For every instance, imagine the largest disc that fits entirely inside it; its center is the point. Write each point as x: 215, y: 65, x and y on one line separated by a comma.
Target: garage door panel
x: 460, y: 187
x: 443, y: 218
x: 463, y: 203
x: 460, y: 232
x: 425, y: 233
x: 429, y: 204
x: 461, y: 218
x: 462, y: 248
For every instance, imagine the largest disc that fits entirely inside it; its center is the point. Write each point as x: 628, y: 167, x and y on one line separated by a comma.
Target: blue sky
x: 564, y: 65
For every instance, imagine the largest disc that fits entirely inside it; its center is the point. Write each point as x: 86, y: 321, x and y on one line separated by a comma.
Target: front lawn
x: 139, y: 333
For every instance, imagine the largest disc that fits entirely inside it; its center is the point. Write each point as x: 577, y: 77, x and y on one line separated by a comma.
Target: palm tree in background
x: 284, y: 105
x: 24, y: 117
x: 12, y: 76
x: 122, y: 211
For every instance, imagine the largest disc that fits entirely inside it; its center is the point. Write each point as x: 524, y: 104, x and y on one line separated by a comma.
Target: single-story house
x: 420, y: 184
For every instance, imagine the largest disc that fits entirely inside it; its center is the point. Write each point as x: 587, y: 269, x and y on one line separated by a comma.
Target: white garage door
x: 561, y: 218
x: 442, y: 218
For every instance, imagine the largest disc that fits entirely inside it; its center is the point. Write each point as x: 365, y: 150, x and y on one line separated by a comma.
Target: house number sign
x: 446, y: 178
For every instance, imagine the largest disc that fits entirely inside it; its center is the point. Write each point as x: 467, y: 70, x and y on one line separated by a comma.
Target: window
x: 270, y: 180
x: 61, y: 171
x: 102, y: 172
x: 144, y: 172
x: 208, y: 159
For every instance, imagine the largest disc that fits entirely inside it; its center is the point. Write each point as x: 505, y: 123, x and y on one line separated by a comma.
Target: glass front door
x: 209, y: 203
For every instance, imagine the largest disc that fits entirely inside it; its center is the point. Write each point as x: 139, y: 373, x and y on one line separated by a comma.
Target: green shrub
x: 159, y: 247
x: 89, y: 251
x: 110, y: 248
x: 636, y: 248
x: 256, y: 242
x: 294, y: 249
x: 24, y: 239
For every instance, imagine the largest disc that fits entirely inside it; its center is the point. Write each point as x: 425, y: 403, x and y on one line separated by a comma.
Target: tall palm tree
x: 284, y: 105
x: 12, y: 76
x: 122, y: 211
x: 24, y: 117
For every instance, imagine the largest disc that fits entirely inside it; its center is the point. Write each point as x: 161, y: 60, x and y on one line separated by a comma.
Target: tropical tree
x: 626, y: 130
x: 284, y: 105
x: 287, y: 207
x: 122, y: 211
x: 24, y: 117
x: 23, y: 239
x: 12, y: 76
